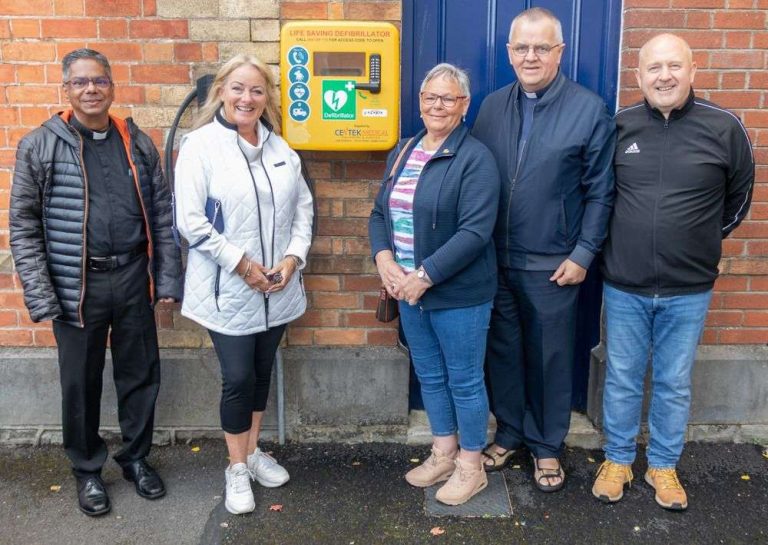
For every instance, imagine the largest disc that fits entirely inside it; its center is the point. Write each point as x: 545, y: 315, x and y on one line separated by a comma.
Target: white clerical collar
x: 90, y: 133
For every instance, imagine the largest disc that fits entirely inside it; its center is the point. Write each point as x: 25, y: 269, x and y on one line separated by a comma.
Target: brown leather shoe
x: 610, y: 480
x: 669, y: 492
x: 466, y: 481
x: 437, y: 468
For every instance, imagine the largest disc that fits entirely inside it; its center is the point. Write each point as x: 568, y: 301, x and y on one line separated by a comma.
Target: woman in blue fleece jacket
x: 430, y: 233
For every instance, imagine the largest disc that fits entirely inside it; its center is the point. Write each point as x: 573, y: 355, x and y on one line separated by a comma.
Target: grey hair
x: 537, y: 14
x: 83, y: 53
x: 448, y: 71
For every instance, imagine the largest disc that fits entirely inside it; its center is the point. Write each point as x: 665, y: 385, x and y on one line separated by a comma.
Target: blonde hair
x: 213, y: 102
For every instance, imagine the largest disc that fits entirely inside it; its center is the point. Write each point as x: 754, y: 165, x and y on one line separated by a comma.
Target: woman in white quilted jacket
x: 243, y: 280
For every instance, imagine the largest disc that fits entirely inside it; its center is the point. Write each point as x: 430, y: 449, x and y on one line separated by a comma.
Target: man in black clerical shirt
x: 90, y: 223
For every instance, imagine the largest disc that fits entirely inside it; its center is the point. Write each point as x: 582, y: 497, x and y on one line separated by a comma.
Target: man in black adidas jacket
x: 90, y: 230
x: 684, y: 174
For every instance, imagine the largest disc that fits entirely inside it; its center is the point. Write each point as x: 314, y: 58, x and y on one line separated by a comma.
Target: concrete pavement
x: 355, y: 494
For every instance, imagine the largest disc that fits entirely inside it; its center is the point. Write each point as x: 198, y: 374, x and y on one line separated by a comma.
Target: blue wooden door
x: 472, y: 34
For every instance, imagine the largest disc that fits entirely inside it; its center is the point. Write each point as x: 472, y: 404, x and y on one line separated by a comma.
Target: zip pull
x: 216, y: 291
x: 216, y: 207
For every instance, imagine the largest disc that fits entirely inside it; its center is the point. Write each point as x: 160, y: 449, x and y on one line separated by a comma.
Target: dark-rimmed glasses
x: 100, y: 82
x: 449, y: 101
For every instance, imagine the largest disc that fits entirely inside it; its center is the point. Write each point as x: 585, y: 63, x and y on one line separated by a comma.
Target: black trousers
x: 117, y: 305
x: 246, y: 370
x: 529, y: 360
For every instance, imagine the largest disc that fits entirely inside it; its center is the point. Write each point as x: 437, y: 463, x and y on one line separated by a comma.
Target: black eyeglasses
x: 541, y: 50
x: 449, y: 101
x: 100, y: 82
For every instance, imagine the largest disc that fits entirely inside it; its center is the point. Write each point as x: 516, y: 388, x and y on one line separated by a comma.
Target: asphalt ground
x: 356, y: 494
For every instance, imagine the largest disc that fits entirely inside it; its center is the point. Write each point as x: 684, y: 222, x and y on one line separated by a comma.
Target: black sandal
x: 500, y: 461
x: 548, y: 473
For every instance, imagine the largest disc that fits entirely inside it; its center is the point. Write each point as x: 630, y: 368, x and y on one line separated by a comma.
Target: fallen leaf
x: 355, y: 463
x: 516, y: 466
x: 224, y: 525
x: 276, y: 507
x: 636, y: 528
x: 195, y: 449
x: 437, y: 531
x: 590, y: 460
x: 745, y: 477
x: 765, y: 452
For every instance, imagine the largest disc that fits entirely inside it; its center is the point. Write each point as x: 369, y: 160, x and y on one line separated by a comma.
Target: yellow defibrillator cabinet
x: 340, y: 85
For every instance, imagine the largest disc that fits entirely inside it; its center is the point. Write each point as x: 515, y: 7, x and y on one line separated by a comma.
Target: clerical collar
x: 538, y: 94
x: 90, y: 133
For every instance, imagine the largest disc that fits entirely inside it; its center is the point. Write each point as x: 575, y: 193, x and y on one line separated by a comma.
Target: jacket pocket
x: 563, y: 221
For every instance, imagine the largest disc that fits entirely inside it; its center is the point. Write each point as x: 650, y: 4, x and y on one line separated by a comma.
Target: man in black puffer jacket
x: 90, y: 221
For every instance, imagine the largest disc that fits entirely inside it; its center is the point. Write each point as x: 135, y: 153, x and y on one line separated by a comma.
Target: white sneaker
x: 266, y: 470
x: 239, y: 496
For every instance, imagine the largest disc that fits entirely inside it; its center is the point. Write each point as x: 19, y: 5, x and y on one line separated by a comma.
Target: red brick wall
x: 730, y: 46
x: 159, y: 47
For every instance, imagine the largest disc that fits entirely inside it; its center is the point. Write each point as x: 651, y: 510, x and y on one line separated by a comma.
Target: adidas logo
x: 633, y: 148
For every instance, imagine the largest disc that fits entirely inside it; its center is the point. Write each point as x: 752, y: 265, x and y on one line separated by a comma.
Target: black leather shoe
x: 148, y: 483
x: 92, y: 497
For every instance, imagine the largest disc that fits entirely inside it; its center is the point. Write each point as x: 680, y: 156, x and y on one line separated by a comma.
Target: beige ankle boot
x: 438, y: 467
x: 466, y: 481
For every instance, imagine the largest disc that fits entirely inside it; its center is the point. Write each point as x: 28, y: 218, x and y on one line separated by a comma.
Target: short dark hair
x: 83, y: 53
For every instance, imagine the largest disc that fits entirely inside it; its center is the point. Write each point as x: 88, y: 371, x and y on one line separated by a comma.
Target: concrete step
x: 582, y: 433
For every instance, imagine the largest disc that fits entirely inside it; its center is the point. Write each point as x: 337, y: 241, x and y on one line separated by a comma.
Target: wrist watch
x: 421, y: 274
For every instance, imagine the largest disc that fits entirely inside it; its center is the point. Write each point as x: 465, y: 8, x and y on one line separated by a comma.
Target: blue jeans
x: 448, y: 350
x: 668, y: 329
